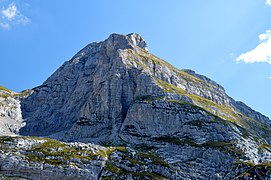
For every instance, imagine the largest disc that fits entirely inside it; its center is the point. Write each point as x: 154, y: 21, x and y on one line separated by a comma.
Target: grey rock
x: 174, y: 124
x: 10, y: 111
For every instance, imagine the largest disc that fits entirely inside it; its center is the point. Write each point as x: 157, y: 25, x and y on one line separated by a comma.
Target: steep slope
x: 10, y: 111
x: 91, y: 92
x: 116, y: 93
x: 94, y: 92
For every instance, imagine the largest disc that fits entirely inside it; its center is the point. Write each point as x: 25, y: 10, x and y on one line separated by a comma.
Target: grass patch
x: 23, y: 93
x: 109, y: 150
x: 2, y: 88
x: 227, y: 147
x: 55, y: 153
x: 141, y: 175
x: 188, y: 105
x: 254, y: 171
x: 222, y: 111
x: 154, y: 158
x: 8, y: 93
x: 250, y: 127
x: 251, y: 164
x: 265, y: 147
x: 144, y: 59
x: 134, y: 161
x: 5, y: 95
x: 148, y: 98
x: 4, y: 139
x: 113, y: 168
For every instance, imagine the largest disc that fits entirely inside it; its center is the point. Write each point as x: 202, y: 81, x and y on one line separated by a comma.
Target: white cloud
x: 270, y: 78
x: 265, y: 36
x: 268, y: 2
x: 262, y: 53
x: 10, y: 12
x: 11, y: 15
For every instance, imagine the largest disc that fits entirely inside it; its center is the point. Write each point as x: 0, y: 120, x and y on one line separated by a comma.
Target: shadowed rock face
x: 115, y: 92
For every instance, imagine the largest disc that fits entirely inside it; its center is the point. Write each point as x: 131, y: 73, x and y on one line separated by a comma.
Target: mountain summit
x: 89, y: 97
x: 116, y: 93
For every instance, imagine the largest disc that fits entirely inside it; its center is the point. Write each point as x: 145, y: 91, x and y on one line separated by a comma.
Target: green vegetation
x: 154, y: 158
x: 248, y: 126
x: 227, y: 147
x: 109, y: 150
x: 120, y: 148
x: 6, y: 139
x: 148, y: 98
x: 254, y: 171
x: 157, y: 61
x: 187, y: 104
x: 246, y: 163
x: 23, y: 93
x: 55, y: 153
x: 222, y: 111
x: 113, y: 168
x: 265, y: 147
x: 2, y: 88
x: 8, y: 93
x: 2, y: 104
x: 135, y: 160
x: 141, y: 175
x: 143, y: 58
x: 264, y: 165
x: 5, y: 93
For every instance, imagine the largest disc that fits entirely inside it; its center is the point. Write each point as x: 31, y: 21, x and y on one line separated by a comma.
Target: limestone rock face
x: 10, y: 111
x: 89, y: 97
x: 37, y: 158
x: 91, y: 93
x: 115, y: 93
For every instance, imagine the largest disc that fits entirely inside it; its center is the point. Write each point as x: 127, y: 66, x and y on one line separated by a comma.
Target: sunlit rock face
x: 172, y: 123
x: 10, y: 111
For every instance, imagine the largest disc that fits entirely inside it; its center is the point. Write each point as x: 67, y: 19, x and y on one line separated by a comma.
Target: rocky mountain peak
x: 115, y: 93
x: 112, y: 44
x: 129, y: 41
x: 137, y: 40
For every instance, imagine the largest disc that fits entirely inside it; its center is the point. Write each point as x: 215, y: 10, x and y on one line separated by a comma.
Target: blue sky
x: 226, y: 40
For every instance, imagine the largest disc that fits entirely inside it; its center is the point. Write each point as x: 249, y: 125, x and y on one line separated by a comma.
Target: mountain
x: 144, y: 118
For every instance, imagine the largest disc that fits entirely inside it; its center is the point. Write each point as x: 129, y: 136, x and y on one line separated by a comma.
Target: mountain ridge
x: 115, y: 93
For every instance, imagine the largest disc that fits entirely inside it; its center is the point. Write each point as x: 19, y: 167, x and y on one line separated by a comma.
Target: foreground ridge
x: 142, y: 116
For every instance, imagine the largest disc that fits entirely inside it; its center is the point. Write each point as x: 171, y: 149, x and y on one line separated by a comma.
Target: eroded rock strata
x: 125, y: 113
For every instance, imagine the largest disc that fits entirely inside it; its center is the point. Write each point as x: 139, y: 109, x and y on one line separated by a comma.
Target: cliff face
x: 115, y: 93
x: 10, y: 111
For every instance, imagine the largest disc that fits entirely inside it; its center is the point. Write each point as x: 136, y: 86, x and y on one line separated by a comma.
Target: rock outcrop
x: 173, y: 123
x: 42, y: 158
x: 10, y: 111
